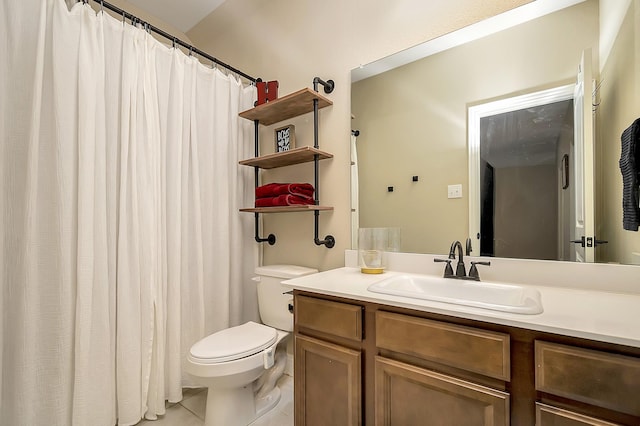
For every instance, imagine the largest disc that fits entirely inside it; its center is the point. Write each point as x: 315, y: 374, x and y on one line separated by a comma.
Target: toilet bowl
x: 240, y: 365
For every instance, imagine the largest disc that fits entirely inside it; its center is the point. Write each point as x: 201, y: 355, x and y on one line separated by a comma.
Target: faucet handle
x: 473, y: 272
x: 448, y: 270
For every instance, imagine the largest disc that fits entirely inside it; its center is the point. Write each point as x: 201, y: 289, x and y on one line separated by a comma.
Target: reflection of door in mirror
x: 519, y: 206
x: 584, y: 225
x: 522, y: 189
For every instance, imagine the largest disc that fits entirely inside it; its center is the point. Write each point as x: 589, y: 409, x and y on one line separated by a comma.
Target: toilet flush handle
x: 268, y: 357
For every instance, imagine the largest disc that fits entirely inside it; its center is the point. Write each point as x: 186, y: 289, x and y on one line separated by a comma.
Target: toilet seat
x: 233, y: 343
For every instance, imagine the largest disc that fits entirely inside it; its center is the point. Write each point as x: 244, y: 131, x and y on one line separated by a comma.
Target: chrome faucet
x: 461, y: 270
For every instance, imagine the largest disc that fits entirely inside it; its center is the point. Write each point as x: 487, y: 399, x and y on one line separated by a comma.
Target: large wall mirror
x: 411, y: 114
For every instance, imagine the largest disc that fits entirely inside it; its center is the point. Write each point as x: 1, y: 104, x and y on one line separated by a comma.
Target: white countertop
x: 586, y: 313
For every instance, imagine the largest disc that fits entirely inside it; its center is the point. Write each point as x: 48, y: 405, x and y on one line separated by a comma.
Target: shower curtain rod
x: 192, y: 49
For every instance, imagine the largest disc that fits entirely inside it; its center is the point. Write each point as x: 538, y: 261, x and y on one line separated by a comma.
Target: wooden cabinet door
x: 327, y: 384
x: 406, y: 395
x: 547, y: 415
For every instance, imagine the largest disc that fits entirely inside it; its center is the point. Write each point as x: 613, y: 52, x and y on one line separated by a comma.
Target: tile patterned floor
x: 190, y: 411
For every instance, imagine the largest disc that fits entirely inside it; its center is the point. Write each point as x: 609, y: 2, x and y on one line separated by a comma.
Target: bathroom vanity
x: 367, y: 358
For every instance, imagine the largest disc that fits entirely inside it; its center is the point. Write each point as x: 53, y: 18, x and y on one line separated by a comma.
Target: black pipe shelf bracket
x: 329, y: 241
x: 271, y: 239
x: 290, y: 106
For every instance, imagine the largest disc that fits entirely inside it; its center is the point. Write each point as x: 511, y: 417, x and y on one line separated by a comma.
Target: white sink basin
x: 487, y: 295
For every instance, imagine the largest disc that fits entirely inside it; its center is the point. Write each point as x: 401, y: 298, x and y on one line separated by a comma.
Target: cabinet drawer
x: 335, y: 318
x: 547, y: 415
x: 598, y: 378
x: 468, y: 348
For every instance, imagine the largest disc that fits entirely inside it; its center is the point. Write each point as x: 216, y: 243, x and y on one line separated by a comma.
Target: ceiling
x: 527, y: 137
x: 183, y: 14
x: 511, y: 18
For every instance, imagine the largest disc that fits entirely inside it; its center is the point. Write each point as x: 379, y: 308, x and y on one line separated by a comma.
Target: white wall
x: 293, y: 41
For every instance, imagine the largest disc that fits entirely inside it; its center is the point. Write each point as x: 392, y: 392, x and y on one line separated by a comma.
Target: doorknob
x: 592, y: 242
x: 589, y: 242
x: 580, y: 241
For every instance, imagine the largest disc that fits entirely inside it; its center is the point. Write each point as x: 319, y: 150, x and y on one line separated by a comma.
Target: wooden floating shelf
x: 303, y: 154
x: 292, y: 105
x: 286, y: 209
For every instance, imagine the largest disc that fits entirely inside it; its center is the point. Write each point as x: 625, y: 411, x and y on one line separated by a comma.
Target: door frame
x: 475, y: 114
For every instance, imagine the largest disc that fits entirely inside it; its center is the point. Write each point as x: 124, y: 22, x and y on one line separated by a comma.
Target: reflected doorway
x: 524, y: 160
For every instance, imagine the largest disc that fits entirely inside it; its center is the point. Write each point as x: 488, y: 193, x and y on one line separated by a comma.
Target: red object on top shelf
x: 267, y: 91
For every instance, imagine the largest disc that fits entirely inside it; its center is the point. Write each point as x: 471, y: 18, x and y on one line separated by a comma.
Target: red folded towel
x: 283, y: 200
x: 275, y: 189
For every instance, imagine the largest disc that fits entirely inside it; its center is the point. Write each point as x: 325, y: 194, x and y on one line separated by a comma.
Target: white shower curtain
x: 121, y: 240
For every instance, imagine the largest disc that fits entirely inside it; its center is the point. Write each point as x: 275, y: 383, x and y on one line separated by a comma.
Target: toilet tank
x: 273, y: 304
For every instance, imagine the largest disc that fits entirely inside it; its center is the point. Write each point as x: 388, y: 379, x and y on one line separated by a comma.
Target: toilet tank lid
x: 284, y: 271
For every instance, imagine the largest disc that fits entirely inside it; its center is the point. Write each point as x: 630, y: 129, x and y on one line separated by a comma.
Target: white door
x: 584, y: 226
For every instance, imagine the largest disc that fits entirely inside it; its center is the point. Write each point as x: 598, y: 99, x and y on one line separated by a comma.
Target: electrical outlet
x: 454, y: 191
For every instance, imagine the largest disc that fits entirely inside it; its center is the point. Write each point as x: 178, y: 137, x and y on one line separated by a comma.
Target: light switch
x: 455, y: 191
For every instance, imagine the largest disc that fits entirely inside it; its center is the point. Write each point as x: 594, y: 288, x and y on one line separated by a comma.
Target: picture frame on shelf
x: 285, y: 138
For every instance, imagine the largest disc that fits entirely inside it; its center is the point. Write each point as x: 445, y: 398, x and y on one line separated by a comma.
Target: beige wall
x: 619, y: 107
x: 293, y: 41
x: 413, y: 120
x: 537, y: 207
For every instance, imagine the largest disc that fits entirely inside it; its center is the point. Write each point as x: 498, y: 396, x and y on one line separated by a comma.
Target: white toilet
x: 239, y: 365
